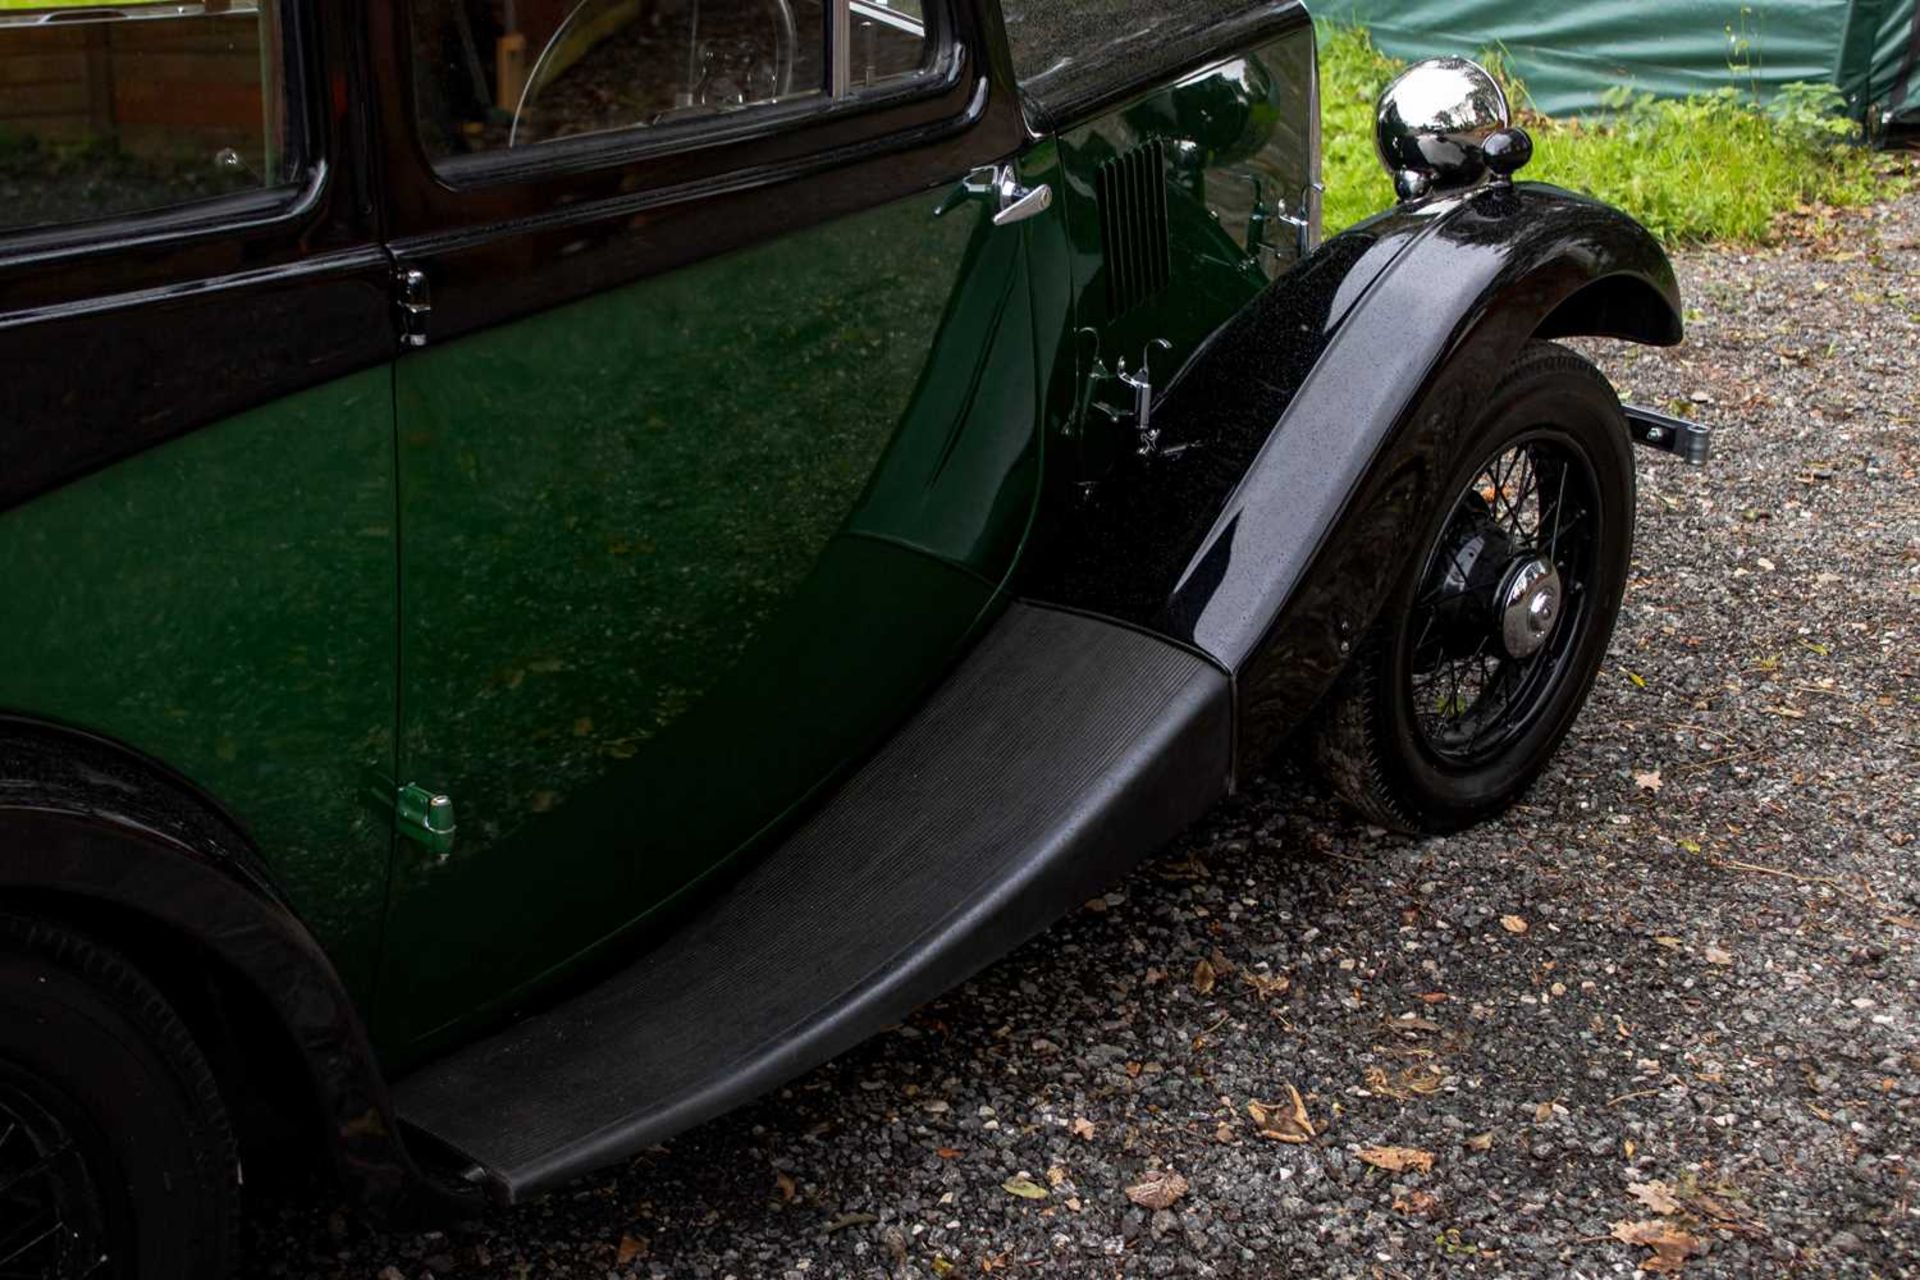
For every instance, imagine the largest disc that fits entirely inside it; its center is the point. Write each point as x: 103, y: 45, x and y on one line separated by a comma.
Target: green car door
x: 721, y: 436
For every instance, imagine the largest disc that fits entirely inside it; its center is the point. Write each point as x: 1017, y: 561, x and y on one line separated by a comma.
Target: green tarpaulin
x: 1571, y: 52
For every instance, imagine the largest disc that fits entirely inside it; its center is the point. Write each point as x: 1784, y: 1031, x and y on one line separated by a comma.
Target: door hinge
x: 1137, y: 413
x: 1264, y: 215
x: 418, y: 813
x: 413, y: 299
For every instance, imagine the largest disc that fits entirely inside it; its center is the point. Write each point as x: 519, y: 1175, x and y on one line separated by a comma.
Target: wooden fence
x: 173, y: 86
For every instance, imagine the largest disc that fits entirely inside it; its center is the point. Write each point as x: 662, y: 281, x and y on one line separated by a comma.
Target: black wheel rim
x: 52, y: 1219
x: 1534, y: 502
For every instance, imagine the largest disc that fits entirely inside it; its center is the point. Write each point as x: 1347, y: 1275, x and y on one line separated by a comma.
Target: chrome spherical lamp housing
x: 1444, y: 125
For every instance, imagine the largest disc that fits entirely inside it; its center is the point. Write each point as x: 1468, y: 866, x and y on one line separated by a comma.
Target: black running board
x: 1061, y: 751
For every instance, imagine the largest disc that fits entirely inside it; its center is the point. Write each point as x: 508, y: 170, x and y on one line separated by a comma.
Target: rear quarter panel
x: 224, y: 604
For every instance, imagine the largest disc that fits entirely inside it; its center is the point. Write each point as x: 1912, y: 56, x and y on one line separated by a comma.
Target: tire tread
x: 215, y: 1149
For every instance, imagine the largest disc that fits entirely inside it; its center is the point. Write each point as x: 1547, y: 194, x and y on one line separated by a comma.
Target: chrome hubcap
x: 1529, y: 607
x: 1503, y: 602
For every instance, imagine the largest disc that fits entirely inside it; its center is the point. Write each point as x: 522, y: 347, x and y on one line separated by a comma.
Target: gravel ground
x: 1676, y: 988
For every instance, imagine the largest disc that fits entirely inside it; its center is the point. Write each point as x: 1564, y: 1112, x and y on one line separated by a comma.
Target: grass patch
x: 1717, y: 167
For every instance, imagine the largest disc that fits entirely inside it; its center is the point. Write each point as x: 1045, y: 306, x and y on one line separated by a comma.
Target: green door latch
x: 422, y: 816
x: 425, y: 817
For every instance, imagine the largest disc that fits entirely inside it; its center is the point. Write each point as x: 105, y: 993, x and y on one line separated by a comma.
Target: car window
x: 1066, y: 50
x: 889, y: 39
x: 493, y: 75
x: 111, y: 110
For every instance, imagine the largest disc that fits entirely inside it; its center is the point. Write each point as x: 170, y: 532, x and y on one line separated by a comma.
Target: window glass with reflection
x: 494, y: 75
x: 889, y: 40
x: 108, y: 110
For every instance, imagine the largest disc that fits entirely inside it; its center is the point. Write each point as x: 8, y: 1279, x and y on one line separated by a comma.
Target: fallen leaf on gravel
x: 1542, y: 1112
x: 1158, y: 1190
x: 1657, y: 1196
x: 1419, y: 1202
x: 1670, y: 1245
x: 1025, y: 1188
x: 1717, y: 956
x: 1421, y: 1080
x: 1706, y: 1207
x: 1434, y: 997
x: 1266, y: 987
x: 1188, y: 869
x: 1480, y: 1142
x: 1398, y: 1159
x: 941, y: 1265
x: 1410, y: 1022
x: 846, y: 1220
x: 1667, y: 940
x: 1055, y: 1175
x: 947, y: 1153
x: 1082, y: 1128
x: 629, y: 1250
x: 1204, y: 976
x: 1282, y: 1121
x: 1648, y: 781
x: 1514, y: 924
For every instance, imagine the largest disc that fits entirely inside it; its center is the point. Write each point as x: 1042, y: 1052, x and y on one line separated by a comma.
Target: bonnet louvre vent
x: 1132, y: 193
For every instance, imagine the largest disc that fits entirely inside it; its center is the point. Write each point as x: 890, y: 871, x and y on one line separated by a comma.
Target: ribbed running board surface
x: 1061, y: 751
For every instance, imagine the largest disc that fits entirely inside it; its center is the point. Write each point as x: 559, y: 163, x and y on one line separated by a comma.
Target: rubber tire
x: 1367, y: 747
x: 134, y: 1090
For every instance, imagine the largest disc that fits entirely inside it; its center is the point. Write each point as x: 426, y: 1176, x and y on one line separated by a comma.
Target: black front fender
x: 1308, y: 438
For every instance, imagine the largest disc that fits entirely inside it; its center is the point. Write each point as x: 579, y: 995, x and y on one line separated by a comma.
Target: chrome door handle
x: 1019, y: 203
x: 999, y: 185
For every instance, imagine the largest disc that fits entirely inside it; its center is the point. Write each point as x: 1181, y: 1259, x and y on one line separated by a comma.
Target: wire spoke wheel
x: 1483, y: 653
x: 52, y: 1220
x: 1519, y: 536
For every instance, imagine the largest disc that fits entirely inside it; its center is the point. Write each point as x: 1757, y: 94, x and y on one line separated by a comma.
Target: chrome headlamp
x: 1443, y: 125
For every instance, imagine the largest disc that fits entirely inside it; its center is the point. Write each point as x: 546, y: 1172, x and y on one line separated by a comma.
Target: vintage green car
x: 566, y: 560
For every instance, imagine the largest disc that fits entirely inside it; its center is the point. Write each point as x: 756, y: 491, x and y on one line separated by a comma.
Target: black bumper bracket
x: 1688, y: 441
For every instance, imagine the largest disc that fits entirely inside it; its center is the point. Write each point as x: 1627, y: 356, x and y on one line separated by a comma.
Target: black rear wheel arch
x: 112, y: 843
x: 266, y: 1085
